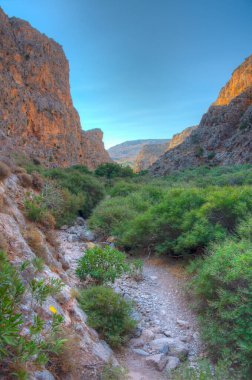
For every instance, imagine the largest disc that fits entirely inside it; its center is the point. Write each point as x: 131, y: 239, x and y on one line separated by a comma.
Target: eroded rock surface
x: 37, y: 116
x: 224, y: 135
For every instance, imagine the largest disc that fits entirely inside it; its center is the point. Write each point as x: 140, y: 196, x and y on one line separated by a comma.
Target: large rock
x: 37, y: 116
x: 158, y: 361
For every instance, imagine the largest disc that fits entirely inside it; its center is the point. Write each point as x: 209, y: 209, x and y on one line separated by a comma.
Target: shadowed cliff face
x: 37, y: 115
x: 224, y: 135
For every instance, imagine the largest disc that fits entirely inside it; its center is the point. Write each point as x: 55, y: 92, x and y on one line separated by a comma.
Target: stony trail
x: 161, y: 307
x: 167, y: 331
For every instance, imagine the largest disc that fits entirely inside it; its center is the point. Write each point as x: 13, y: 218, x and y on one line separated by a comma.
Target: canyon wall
x: 37, y: 116
x: 224, y: 135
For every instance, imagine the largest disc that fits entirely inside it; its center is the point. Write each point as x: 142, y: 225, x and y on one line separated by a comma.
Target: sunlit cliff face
x: 240, y: 81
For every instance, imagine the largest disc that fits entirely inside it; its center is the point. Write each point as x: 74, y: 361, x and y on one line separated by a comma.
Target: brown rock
x: 224, y: 135
x: 37, y: 116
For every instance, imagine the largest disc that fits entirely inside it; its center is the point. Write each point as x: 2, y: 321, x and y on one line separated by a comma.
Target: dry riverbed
x: 167, y: 332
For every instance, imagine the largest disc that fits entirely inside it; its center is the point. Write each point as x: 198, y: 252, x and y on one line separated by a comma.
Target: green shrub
x: 123, y: 188
x: 16, y: 351
x: 111, y: 372
x: 204, y: 370
x: 34, y: 209
x: 108, y: 313
x: 102, y: 264
x: 176, y: 221
x: 222, y: 284
x: 113, y: 170
x: 79, y: 183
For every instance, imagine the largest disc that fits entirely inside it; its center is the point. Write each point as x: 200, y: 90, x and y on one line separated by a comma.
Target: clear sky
x: 143, y: 68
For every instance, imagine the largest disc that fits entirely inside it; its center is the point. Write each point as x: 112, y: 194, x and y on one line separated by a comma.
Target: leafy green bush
x: 102, y: 264
x: 177, y: 221
x: 123, y: 188
x: 15, y: 349
x: 108, y: 313
x: 78, y: 182
x: 222, y: 284
x: 204, y: 370
x: 113, y: 170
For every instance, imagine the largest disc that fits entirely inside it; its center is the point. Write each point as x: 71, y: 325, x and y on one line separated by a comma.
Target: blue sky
x: 143, y: 68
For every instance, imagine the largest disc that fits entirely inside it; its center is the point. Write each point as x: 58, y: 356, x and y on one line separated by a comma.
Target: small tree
x: 102, y: 264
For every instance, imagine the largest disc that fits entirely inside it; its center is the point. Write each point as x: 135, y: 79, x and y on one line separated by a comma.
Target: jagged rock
x: 173, y: 362
x: 126, y: 152
x: 140, y: 352
x: 37, y: 116
x: 147, y: 335
x: 177, y: 348
x: 137, y: 342
x: 161, y: 345
x: 43, y: 375
x: 158, y: 361
x: 224, y: 135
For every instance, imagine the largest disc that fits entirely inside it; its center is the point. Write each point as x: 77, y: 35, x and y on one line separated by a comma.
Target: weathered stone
x: 160, y: 345
x: 137, y: 342
x: 43, y: 375
x: 158, y: 361
x: 173, y: 362
x: 224, y: 135
x: 37, y: 113
x: 140, y: 352
x: 177, y: 348
x: 147, y: 335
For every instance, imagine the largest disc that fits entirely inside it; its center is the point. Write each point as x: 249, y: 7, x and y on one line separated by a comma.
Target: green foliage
x: 222, y: 284
x: 204, y: 370
x: 16, y: 351
x: 113, y: 373
x: 34, y: 209
x: 123, y: 188
x: 42, y: 289
x: 136, y: 269
x: 108, y: 313
x: 113, y: 170
x: 102, y: 264
x: 78, y: 182
x: 178, y: 221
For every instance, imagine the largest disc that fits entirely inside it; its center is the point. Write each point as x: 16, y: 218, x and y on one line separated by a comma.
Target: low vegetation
x: 18, y: 352
x: 4, y: 171
x: 108, y: 312
x: 102, y: 264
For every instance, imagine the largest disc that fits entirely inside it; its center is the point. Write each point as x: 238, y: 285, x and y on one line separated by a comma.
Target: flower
x: 53, y: 310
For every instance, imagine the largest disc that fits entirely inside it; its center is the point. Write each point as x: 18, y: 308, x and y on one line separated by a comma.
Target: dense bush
x: 222, y: 284
x: 18, y: 352
x: 177, y: 220
x: 113, y: 170
x: 102, y: 264
x: 108, y: 313
x: 79, y: 183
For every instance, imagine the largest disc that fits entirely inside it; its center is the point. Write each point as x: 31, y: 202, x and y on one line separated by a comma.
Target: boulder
x: 173, y: 362
x: 158, y: 361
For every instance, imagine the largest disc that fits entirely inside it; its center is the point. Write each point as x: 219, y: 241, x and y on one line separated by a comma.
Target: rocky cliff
x: 37, y: 116
x: 126, y: 152
x: 224, y: 135
x: 149, y: 154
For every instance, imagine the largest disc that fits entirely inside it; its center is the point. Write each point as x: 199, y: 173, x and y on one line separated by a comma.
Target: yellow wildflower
x: 52, y: 309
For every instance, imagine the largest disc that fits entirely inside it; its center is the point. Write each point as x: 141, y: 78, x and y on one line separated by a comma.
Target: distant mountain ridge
x: 126, y: 152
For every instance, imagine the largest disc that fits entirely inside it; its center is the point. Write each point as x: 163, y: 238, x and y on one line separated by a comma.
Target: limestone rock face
x: 149, y: 154
x: 126, y: 152
x: 37, y: 116
x: 224, y: 135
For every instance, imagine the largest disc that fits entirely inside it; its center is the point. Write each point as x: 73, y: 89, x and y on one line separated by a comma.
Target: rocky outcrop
x: 149, y: 154
x: 224, y: 135
x: 37, y: 116
x: 126, y: 153
x: 85, y: 354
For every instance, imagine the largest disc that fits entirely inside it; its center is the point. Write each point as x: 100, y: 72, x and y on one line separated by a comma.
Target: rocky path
x: 167, y: 331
